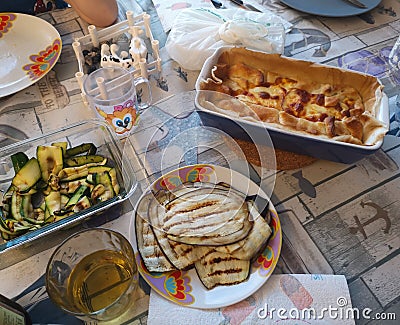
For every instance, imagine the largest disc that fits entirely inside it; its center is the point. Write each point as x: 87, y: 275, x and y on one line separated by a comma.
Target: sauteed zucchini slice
x: 50, y: 160
x: 57, y: 183
x: 18, y: 160
x: 83, y: 160
x: 84, y: 148
x: 27, y: 176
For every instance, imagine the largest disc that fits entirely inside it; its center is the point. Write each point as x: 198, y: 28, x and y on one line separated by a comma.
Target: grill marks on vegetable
x: 210, y: 227
x: 205, y: 215
x: 149, y: 249
x: 194, y: 215
x: 192, y: 209
x: 217, y: 268
x: 55, y: 184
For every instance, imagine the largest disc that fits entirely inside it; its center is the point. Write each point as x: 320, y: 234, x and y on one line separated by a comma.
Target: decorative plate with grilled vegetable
x: 206, y: 236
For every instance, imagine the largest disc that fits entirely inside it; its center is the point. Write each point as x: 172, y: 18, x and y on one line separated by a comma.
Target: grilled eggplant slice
x: 152, y: 256
x: 249, y: 247
x: 207, y: 217
x: 194, y: 186
x: 216, y: 268
x: 149, y: 249
x: 221, y: 228
x: 182, y: 256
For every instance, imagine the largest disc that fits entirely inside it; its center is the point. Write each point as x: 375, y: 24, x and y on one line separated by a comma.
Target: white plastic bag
x: 197, y: 33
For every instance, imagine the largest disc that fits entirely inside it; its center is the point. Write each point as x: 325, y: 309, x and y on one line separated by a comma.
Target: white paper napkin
x: 292, y: 299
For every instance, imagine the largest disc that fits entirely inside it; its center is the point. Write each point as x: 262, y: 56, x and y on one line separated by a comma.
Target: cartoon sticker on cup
x: 112, y: 93
x: 123, y: 118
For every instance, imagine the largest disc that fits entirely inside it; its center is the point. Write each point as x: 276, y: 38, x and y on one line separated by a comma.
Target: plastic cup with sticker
x: 117, y: 97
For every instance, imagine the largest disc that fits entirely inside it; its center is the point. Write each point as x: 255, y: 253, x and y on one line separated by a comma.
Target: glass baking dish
x: 89, y: 131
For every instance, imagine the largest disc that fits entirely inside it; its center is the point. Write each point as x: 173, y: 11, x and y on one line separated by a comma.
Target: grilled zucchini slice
x: 27, y: 176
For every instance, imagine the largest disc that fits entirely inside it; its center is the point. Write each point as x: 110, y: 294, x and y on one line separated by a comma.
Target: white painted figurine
x: 137, y: 49
x: 110, y: 57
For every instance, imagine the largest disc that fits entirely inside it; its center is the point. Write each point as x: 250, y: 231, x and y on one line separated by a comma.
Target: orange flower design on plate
x: 6, y: 23
x: 43, y: 61
x: 198, y: 173
x: 174, y: 285
x: 267, y: 260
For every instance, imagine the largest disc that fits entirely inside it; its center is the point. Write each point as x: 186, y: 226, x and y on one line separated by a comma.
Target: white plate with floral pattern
x: 29, y: 49
x: 184, y: 287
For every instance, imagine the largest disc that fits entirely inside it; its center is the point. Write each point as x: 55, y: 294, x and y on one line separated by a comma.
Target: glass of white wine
x: 93, y: 276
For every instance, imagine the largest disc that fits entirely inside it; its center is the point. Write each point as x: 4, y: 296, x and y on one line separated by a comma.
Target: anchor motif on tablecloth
x: 182, y: 74
x: 380, y: 214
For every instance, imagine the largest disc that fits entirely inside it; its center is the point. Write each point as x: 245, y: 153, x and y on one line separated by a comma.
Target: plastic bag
x: 197, y: 33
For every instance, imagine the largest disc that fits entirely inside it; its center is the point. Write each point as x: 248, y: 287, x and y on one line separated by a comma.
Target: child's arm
x: 100, y: 13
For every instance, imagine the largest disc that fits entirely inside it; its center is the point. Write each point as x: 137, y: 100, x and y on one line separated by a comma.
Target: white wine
x: 93, y: 276
x: 99, y: 279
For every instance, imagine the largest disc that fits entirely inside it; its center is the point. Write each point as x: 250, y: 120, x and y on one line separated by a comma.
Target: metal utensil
x: 356, y: 3
x: 218, y: 4
x: 245, y: 5
x: 245, y: 168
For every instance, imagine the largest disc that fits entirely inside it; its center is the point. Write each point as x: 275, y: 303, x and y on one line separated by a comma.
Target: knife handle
x: 217, y: 4
x: 238, y: 2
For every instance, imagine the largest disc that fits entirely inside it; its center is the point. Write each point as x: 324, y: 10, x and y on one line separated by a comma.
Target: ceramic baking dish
x: 287, y: 139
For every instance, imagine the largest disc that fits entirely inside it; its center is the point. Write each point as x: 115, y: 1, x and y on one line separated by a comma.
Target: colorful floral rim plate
x: 184, y: 287
x: 29, y: 49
